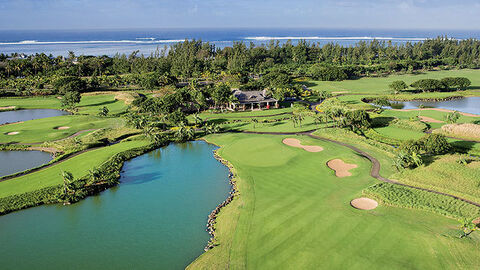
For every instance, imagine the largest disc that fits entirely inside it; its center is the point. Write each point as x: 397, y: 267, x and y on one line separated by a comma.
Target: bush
x: 435, y: 144
x: 428, y: 85
x: 398, y: 86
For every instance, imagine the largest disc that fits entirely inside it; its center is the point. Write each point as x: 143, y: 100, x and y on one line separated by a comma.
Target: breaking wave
x: 137, y: 41
x: 335, y: 38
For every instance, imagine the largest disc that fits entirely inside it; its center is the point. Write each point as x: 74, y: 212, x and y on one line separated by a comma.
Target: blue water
x: 25, y: 115
x: 19, y: 161
x: 109, y: 42
x: 155, y: 219
x: 466, y: 105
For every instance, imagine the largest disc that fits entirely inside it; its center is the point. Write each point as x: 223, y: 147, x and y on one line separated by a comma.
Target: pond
x: 18, y: 161
x: 466, y: 105
x: 25, y: 115
x: 155, y: 219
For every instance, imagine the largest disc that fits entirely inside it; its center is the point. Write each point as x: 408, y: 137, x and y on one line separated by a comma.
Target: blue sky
x: 107, y: 14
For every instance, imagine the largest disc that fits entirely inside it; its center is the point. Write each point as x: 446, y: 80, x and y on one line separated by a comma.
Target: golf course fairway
x: 294, y: 213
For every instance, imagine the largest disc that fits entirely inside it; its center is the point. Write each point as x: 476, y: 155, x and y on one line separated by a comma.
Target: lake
x: 155, y: 219
x: 467, y: 105
x: 18, y: 161
x: 25, y: 115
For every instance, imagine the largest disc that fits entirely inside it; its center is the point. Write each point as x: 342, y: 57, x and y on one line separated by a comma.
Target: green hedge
x: 402, y: 196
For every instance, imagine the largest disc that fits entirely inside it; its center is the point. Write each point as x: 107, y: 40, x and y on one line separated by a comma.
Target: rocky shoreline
x: 212, y: 218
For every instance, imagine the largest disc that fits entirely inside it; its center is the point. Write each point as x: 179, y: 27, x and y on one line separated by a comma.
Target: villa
x: 253, y: 100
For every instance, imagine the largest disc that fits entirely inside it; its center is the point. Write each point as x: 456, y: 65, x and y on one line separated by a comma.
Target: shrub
x: 398, y: 86
x: 435, y: 144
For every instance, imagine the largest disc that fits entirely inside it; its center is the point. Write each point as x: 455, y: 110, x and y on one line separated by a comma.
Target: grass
x: 465, y: 131
x: 379, y: 85
x: 205, y: 115
x: 89, y: 104
x: 44, y: 129
x: 293, y: 213
x: 399, y: 133
x: 437, y: 115
x: 78, y: 166
x: 413, y: 198
x: 277, y: 126
x: 447, y: 175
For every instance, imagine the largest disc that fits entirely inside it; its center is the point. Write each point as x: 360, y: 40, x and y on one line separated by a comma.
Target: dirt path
x: 374, y: 172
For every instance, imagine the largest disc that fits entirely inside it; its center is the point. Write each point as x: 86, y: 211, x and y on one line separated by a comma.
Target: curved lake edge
x: 56, y: 159
x: 401, y: 99
x: 135, y: 178
x: 405, y: 102
x: 20, y: 172
x: 233, y: 193
x: 43, y: 113
x: 44, y: 196
x: 211, y: 218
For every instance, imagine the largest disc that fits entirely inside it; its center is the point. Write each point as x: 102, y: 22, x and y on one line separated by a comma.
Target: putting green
x: 295, y: 214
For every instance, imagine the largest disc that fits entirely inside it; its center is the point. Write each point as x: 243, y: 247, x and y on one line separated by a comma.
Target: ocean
x: 110, y: 42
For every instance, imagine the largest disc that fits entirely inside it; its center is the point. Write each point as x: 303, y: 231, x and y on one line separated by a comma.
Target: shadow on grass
x: 382, y: 121
x: 463, y: 146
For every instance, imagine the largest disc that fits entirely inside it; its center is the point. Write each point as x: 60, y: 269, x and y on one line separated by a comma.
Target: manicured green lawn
x: 280, y: 126
x: 437, y: 115
x: 93, y: 104
x: 294, y: 213
x: 44, y: 129
x: 205, y: 115
x: 78, y: 166
x: 371, y: 85
x: 89, y: 104
x: 399, y: 133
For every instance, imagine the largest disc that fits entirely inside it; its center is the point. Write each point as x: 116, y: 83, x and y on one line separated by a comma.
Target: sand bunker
x: 341, y: 168
x: 364, y: 203
x: 13, y: 133
x: 7, y: 108
x: 429, y: 120
x: 62, y: 128
x: 296, y: 143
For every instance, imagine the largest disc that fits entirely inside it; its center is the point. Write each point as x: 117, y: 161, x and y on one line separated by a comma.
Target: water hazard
x: 155, y: 219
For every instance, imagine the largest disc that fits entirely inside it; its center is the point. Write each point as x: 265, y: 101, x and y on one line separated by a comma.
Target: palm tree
x: 417, y: 159
x: 197, y: 119
x: 213, y: 128
x: 468, y: 227
x: 294, y: 120
x: 254, y: 122
x: 95, y: 175
x: 185, y: 133
x: 67, y: 182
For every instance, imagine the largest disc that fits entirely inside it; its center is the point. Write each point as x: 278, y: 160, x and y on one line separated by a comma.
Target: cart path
x: 374, y: 172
